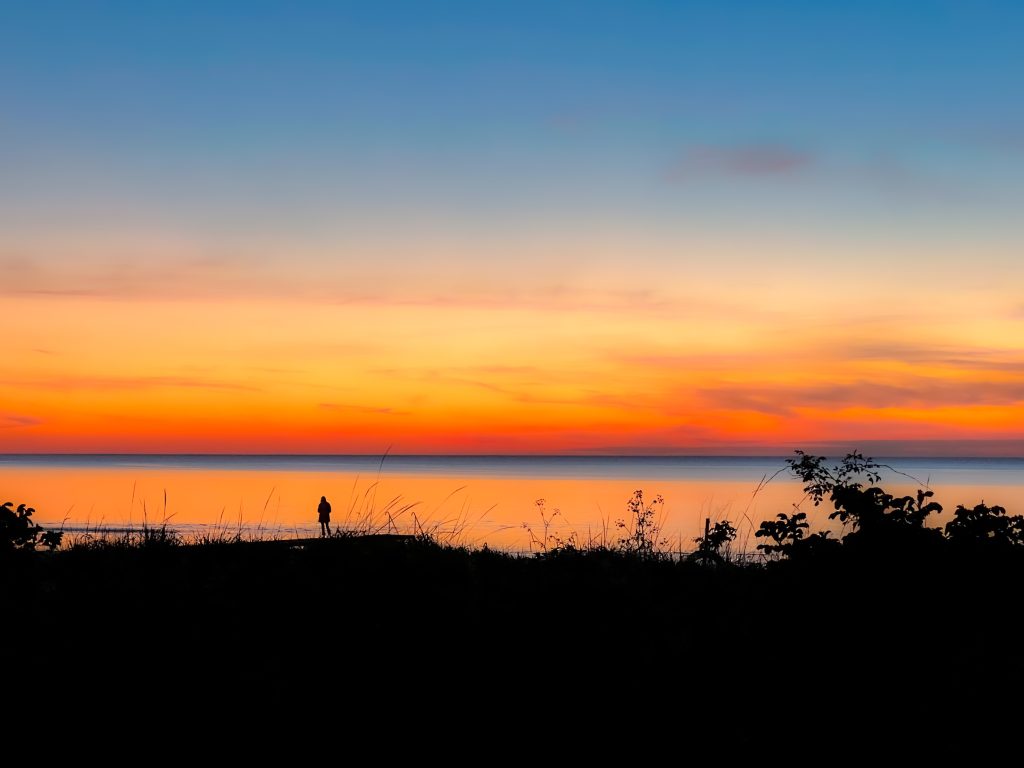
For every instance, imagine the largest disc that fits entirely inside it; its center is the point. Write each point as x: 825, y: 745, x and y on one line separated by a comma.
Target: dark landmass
x: 895, y: 634
x: 881, y: 644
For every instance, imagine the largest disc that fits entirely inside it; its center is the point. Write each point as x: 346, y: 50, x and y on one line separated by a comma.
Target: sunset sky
x: 632, y: 227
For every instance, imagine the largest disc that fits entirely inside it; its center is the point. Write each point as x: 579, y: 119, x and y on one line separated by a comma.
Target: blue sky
x: 207, y: 115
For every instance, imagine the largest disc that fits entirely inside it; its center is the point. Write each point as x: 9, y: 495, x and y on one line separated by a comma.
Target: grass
x: 362, y: 516
x: 365, y: 512
x: 409, y: 627
x: 404, y: 620
x: 398, y: 615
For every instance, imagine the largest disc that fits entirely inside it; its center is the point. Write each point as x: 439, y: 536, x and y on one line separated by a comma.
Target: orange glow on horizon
x: 111, y: 375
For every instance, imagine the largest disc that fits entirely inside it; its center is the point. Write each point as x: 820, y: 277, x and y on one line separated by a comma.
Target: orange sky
x: 586, y: 370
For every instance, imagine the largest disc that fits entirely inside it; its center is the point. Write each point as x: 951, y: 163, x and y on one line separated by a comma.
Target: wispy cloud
x: 914, y: 392
x: 1003, y: 138
x: 125, y: 383
x: 62, y: 278
x: 905, y: 351
x: 755, y: 160
x: 59, y: 274
x: 903, y: 179
x: 363, y: 409
x: 753, y: 399
x: 669, y: 362
x: 526, y: 370
x: 965, y: 358
x: 9, y: 420
x: 1003, y: 366
x: 920, y: 448
x: 555, y: 297
x: 70, y: 292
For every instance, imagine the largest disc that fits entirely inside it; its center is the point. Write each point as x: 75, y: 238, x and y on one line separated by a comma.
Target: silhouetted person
x: 324, y: 512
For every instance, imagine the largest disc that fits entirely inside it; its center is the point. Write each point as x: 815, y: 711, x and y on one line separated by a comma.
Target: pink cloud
x: 750, y: 161
x: 11, y: 420
x: 954, y: 357
x: 363, y: 409
x: 924, y: 392
x: 119, y: 383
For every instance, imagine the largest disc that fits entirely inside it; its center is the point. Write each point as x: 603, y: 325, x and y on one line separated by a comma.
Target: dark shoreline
x: 385, y: 617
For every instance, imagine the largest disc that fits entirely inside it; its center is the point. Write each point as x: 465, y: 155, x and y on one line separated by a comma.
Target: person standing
x: 324, y: 514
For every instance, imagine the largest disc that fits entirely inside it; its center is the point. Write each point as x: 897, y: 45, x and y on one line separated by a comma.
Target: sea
x: 511, y: 503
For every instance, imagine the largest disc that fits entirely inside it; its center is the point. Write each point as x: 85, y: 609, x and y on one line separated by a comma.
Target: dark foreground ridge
x: 898, y: 634
x: 380, y: 618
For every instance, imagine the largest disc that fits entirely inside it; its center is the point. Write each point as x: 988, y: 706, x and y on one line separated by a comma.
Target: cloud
x: 568, y: 123
x: 1003, y: 138
x: 556, y: 297
x: 1012, y: 142
x: 965, y: 358
x: 527, y: 370
x: 757, y: 400
x: 120, y: 383
x: 363, y: 409
x: 915, y: 392
x: 61, y: 278
x: 59, y: 274
x: 739, y: 161
x: 903, y: 351
x: 1004, y: 366
x: 920, y: 448
x: 891, y: 174
x: 11, y: 420
x: 71, y: 292
x: 690, y: 361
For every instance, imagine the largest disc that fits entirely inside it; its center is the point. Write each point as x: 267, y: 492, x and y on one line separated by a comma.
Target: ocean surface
x: 516, y: 503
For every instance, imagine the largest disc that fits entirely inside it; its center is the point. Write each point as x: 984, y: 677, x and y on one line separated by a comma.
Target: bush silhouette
x: 18, y: 531
x: 880, y: 520
x: 715, y: 539
x: 785, y: 531
x: 982, y: 525
x: 871, y: 517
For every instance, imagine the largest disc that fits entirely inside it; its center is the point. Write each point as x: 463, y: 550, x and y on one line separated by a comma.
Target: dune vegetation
x: 921, y: 622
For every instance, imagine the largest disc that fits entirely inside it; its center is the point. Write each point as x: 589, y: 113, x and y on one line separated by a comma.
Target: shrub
x: 785, y: 531
x: 985, y: 525
x: 716, y: 538
x: 18, y: 531
x: 641, y: 532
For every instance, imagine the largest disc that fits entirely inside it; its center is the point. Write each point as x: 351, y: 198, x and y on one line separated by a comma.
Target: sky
x: 523, y: 227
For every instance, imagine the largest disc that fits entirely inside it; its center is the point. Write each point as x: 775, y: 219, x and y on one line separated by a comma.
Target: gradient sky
x: 635, y: 227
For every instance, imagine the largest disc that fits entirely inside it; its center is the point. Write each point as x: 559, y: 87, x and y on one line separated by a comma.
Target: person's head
x: 323, y: 498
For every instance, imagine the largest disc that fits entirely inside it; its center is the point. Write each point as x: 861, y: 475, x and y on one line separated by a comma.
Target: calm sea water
x: 508, y: 502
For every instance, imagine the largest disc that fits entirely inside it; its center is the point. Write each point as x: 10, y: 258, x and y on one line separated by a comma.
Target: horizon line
x: 385, y: 456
